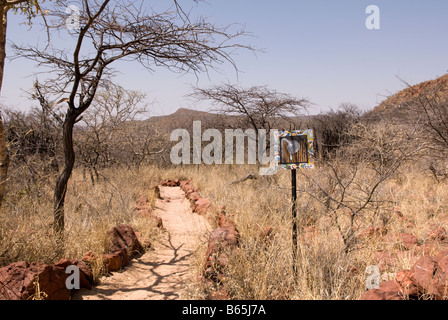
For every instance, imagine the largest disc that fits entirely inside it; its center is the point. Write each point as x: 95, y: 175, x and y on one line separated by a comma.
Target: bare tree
x: 259, y: 106
x: 349, y: 183
x: 123, y: 30
x: 111, y: 132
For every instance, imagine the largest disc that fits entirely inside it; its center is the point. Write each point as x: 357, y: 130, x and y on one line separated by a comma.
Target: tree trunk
x: 62, y: 181
x: 4, y: 158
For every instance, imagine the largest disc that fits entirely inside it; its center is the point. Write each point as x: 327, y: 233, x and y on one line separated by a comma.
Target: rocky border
x: 24, y: 281
x: 427, y: 279
x: 222, y: 240
x: 428, y: 276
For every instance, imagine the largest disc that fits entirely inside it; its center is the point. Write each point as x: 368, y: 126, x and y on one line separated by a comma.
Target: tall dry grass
x: 26, y: 215
x: 260, y: 271
x: 324, y: 269
x: 257, y: 270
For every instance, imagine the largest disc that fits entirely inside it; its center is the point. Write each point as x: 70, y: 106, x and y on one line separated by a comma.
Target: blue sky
x: 316, y: 49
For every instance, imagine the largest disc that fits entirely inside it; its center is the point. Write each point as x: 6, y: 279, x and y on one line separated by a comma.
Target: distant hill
x: 183, y: 113
x: 183, y: 119
x: 399, y: 105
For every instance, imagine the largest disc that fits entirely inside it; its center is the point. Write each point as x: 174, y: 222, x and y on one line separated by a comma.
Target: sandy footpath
x: 162, y: 273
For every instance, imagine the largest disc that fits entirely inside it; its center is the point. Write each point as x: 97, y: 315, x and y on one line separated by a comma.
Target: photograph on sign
x: 294, y: 149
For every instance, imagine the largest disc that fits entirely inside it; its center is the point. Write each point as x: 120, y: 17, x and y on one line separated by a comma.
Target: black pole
x: 294, y: 219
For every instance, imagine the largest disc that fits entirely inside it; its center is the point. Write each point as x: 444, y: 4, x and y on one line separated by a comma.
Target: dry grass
x: 26, y: 216
x: 324, y: 270
x: 257, y: 270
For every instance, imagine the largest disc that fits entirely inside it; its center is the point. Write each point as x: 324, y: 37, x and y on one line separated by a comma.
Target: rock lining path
x: 162, y: 273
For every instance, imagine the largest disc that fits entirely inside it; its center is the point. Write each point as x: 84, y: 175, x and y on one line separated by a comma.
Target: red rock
x: 18, y: 281
x: 123, y: 253
x: 389, y: 290
x: 170, y: 183
x: 14, y: 282
x: 220, y: 244
x: 143, y: 206
x: 183, y: 183
x: 112, y: 261
x: 186, y: 186
x: 123, y: 237
x: 441, y: 275
x: 408, y: 287
x: 442, y: 261
x: 202, y: 205
x: 189, y: 190
x: 408, y: 240
x: 89, y: 257
x: 142, y: 201
x: 423, y: 272
x: 193, y: 197
x: 403, y: 241
x: 85, y: 274
x: 52, y: 281
x: 224, y: 220
x: 438, y: 234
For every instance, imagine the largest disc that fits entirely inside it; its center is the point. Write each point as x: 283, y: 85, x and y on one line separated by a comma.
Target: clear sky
x: 316, y: 49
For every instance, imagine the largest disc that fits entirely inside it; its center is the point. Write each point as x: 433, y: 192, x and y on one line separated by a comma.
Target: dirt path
x: 160, y: 274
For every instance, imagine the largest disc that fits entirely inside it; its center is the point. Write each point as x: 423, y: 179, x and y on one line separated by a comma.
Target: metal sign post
x: 294, y: 150
x: 294, y: 219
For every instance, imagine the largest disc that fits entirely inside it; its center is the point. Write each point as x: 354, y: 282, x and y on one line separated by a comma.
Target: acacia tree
x: 123, y: 30
x: 259, y: 106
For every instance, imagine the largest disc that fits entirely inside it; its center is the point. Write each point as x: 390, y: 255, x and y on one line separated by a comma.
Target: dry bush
x: 111, y: 132
x: 332, y: 128
x: 260, y: 271
x: 33, y: 141
x: 26, y: 231
x: 361, y: 185
x: 26, y: 213
x: 325, y: 270
x: 350, y: 184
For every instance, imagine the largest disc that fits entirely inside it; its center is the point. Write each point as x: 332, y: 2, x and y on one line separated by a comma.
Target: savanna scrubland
x: 379, y: 175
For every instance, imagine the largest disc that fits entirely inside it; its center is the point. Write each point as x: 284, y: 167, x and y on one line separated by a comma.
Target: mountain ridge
x: 399, y: 105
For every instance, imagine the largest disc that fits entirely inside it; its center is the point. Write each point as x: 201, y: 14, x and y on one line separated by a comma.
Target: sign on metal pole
x: 294, y: 150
